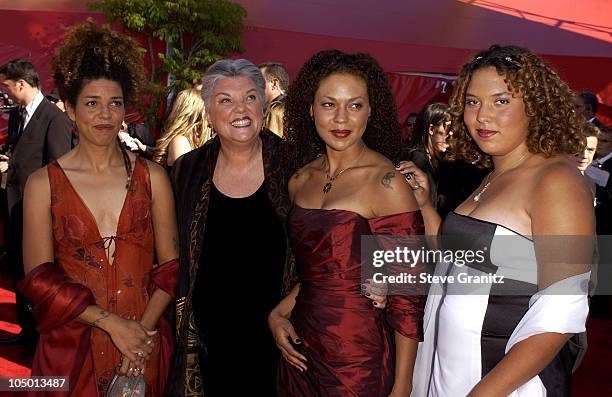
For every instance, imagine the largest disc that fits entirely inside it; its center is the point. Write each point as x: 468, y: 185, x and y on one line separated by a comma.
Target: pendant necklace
x: 490, y: 180
x: 330, y: 179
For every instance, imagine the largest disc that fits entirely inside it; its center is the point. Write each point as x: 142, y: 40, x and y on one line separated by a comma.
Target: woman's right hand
x: 284, y: 335
x: 129, y: 337
x: 418, y: 181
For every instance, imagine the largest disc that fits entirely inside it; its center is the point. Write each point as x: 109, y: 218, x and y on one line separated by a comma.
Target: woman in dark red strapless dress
x: 334, y: 341
x: 345, y: 339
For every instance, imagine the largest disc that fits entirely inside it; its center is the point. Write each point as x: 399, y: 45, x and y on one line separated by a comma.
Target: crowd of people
x: 226, y: 258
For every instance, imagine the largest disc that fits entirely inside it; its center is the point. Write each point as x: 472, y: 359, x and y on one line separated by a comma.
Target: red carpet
x: 11, y: 363
x: 593, y: 378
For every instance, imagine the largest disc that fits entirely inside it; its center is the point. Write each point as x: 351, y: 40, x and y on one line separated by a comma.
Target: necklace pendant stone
x: 327, y: 187
x: 481, y: 192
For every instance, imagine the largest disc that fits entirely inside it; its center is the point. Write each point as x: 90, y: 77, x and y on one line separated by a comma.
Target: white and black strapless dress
x: 469, y: 329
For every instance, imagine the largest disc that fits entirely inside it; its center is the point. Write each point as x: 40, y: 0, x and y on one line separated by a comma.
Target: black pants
x: 13, y: 235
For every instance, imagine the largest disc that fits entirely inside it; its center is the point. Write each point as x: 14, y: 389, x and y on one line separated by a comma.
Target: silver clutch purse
x: 127, y: 386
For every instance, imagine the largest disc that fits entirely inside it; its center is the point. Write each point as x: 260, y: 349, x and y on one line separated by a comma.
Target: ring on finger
x: 150, y: 342
x: 140, y: 354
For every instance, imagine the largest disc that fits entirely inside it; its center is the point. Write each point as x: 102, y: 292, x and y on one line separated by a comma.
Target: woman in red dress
x: 93, y: 221
x: 335, y: 342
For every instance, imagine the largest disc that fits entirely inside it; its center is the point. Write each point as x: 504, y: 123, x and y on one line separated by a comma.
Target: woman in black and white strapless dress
x: 533, y: 218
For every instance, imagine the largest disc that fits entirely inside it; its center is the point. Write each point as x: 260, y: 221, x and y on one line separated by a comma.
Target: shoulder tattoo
x: 386, y: 179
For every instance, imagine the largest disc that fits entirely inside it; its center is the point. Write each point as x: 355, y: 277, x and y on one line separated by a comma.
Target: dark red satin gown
x: 346, y: 340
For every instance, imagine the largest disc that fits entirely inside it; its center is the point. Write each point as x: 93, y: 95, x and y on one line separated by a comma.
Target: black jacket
x: 192, y: 180
x: 47, y: 136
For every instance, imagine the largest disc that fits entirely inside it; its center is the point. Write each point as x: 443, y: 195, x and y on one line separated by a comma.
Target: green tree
x: 200, y: 32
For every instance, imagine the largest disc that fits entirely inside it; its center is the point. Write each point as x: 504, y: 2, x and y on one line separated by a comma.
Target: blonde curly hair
x: 554, y: 125
x: 187, y: 119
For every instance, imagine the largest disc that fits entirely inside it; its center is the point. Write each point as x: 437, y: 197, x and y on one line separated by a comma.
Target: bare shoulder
x: 156, y: 170
x: 37, y: 184
x: 561, y: 202
x: 302, y: 175
x: 390, y: 192
x: 556, y: 175
x: 40, y: 176
x: 386, y: 177
x: 180, y: 140
x: 160, y: 181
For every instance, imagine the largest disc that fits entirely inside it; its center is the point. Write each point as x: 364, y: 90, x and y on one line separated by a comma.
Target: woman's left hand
x: 131, y: 368
x: 377, y: 292
x: 135, y: 368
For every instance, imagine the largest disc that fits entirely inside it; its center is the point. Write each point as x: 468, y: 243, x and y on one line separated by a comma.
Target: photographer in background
x: 138, y: 139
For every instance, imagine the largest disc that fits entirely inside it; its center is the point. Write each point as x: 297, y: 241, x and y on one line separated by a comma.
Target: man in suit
x: 604, y: 149
x: 40, y: 134
x: 277, y: 82
x: 601, y: 183
x: 587, y: 104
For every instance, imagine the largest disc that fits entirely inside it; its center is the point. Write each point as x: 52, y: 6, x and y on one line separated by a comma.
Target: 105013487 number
x: 34, y: 383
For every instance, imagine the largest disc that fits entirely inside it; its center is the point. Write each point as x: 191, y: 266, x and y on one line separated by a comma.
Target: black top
x: 456, y: 182
x: 419, y: 158
x: 143, y: 134
x: 237, y: 285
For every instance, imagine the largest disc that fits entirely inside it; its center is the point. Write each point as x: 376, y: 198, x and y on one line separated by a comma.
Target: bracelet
x: 103, y: 314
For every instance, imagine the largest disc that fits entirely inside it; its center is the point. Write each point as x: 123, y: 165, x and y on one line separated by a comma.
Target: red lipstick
x: 486, y: 133
x: 341, y: 133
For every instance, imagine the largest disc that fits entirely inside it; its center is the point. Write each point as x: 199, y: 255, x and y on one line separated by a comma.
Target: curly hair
x: 90, y: 52
x: 186, y: 119
x: 382, y: 133
x: 554, y: 125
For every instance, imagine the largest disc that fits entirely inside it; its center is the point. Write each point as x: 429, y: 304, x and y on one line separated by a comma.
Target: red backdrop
x: 35, y: 34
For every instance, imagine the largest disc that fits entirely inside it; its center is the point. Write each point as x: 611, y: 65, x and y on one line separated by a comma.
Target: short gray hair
x: 233, y: 68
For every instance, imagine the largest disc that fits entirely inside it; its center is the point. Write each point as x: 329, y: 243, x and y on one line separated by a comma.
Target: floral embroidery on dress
x: 72, y: 229
x: 141, y: 214
x: 83, y: 254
